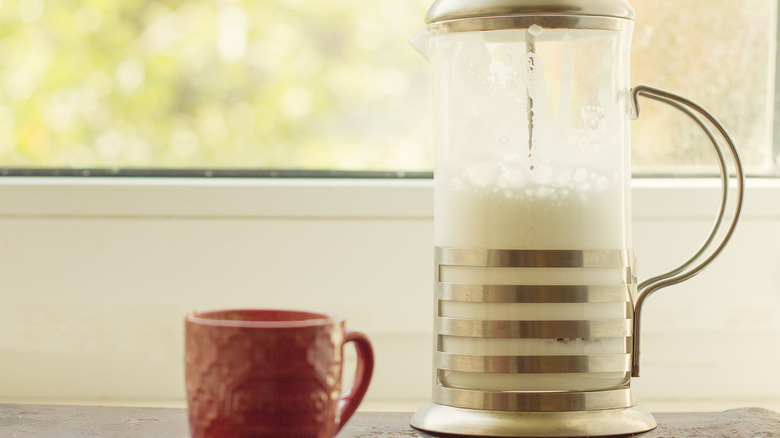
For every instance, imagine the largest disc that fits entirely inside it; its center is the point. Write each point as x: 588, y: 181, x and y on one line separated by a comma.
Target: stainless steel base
x: 438, y: 418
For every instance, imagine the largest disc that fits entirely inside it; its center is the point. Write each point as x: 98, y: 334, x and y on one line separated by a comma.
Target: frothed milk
x: 574, y: 210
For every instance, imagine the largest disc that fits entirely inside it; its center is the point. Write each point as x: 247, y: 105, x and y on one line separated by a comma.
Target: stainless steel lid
x: 445, y: 10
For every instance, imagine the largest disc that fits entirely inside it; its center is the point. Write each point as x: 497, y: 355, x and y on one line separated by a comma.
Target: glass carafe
x: 535, y: 290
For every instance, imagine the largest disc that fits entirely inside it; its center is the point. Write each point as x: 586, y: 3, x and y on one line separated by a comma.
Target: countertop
x: 66, y: 421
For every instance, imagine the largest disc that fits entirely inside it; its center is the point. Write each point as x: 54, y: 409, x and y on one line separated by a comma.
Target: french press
x: 537, y: 307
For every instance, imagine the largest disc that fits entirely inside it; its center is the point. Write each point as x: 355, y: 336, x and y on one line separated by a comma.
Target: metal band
x: 532, y: 294
x: 525, y: 21
x: 628, y: 310
x: 627, y: 346
x: 602, y: 363
x: 612, y: 328
x: 535, y: 401
x: 516, y: 258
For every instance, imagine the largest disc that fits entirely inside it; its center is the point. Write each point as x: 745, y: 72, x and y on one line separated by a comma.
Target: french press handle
x: 695, y: 264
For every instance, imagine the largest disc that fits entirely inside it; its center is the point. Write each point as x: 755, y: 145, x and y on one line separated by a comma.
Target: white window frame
x: 313, y: 197
x: 391, y: 205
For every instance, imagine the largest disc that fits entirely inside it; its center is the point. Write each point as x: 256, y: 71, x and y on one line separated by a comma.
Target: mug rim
x: 309, y: 319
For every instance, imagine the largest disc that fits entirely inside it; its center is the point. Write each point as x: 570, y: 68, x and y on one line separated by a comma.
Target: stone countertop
x: 66, y: 421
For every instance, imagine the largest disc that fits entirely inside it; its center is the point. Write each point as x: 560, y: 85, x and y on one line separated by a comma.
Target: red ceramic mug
x: 270, y: 373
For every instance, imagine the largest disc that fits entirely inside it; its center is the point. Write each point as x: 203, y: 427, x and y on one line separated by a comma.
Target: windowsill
x: 328, y: 198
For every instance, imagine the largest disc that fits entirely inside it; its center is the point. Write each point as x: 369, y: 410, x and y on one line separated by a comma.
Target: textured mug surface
x: 270, y: 373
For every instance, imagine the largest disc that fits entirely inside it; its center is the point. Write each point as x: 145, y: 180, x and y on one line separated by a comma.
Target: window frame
x: 78, y: 197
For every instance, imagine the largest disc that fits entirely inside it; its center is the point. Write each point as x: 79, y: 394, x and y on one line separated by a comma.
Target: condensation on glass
x: 720, y: 54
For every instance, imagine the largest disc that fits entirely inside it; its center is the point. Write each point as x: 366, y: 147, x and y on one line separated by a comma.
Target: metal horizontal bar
x: 601, y: 363
x: 532, y: 294
x: 533, y: 311
x: 610, y: 328
x: 517, y: 258
x: 535, y: 401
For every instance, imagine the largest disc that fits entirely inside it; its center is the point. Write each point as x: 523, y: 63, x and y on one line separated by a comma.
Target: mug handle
x: 685, y: 271
x: 350, y: 400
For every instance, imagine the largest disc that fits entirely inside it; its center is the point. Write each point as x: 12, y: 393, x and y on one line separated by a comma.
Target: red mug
x: 270, y: 373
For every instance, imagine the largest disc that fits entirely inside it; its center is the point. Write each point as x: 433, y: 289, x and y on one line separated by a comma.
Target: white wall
x: 97, y: 275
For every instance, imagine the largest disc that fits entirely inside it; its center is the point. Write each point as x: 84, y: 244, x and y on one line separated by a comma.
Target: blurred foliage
x: 314, y: 84
x: 204, y: 83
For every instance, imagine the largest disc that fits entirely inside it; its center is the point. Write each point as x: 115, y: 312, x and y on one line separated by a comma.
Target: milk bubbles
x: 515, y: 180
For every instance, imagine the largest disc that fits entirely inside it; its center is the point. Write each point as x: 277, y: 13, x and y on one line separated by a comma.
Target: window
x: 719, y: 53
x: 204, y: 83
x: 304, y: 84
